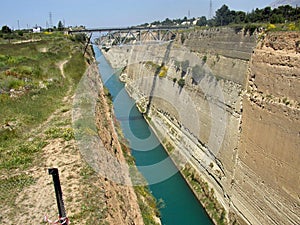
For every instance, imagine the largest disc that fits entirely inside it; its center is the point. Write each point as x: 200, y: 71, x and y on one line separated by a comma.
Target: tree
x: 240, y: 17
x: 266, y: 13
x: 287, y: 11
x: 255, y: 16
x: 211, y: 22
x: 202, y: 21
x: 155, y: 23
x: 258, y: 15
x: 60, y: 26
x: 167, y: 22
x: 6, y: 29
x: 277, y: 18
x: 223, y: 16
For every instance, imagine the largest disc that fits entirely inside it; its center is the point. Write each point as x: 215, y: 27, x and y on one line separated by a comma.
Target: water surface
x: 180, y: 204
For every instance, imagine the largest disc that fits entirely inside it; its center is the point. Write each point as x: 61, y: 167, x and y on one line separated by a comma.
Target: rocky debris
x: 287, y: 41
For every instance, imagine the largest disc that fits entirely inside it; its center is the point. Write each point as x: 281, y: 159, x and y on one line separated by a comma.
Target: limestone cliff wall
x: 98, y: 142
x: 231, y: 119
x: 230, y: 50
x: 268, y: 173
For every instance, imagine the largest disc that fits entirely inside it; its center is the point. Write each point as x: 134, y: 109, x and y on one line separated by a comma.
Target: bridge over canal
x: 108, y: 37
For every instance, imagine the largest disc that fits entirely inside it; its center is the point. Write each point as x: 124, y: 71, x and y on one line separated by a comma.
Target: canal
x: 180, y: 206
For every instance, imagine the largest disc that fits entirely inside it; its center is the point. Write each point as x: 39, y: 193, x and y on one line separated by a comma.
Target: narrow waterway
x: 180, y: 206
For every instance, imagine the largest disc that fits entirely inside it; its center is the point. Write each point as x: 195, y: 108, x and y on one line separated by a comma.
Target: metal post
x: 58, y: 193
x: 88, y: 42
x: 158, y: 35
x: 139, y: 34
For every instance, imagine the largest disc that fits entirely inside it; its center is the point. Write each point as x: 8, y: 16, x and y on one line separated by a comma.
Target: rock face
x: 230, y: 113
x: 268, y: 169
x: 228, y: 46
x: 99, y: 145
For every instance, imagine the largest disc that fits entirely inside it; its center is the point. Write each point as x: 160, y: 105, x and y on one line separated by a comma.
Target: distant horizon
x: 114, y: 13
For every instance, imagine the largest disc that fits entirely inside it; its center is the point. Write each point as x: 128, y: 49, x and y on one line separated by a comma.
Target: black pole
x: 87, y: 44
x: 58, y: 192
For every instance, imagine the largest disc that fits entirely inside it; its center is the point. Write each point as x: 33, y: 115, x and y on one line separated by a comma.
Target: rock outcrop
x: 268, y: 174
x: 99, y: 145
x: 230, y: 113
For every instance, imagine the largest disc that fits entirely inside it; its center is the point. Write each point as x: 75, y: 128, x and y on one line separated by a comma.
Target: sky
x: 110, y: 13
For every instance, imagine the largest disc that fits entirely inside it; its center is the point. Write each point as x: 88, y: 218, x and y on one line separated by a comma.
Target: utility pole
x: 210, y: 14
x: 59, y: 199
x: 50, y: 20
x: 18, y: 25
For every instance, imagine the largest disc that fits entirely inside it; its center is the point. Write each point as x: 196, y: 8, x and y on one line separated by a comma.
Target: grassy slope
x: 32, y: 88
x: 40, y: 89
x: 36, y: 116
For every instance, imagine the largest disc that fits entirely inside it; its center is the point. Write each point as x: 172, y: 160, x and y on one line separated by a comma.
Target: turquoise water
x: 165, y: 182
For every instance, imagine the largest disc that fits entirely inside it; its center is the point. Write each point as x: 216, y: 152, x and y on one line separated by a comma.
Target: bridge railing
x: 128, y: 35
x: 132, y: 29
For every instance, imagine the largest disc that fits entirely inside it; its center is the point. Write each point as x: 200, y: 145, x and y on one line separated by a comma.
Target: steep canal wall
x: 226, y: 104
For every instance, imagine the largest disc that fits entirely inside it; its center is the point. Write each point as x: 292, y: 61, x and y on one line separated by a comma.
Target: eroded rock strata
x: 99, y: 146
x: 227, y: 104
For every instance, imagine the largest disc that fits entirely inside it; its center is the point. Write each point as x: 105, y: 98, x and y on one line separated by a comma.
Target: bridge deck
x: 132, y: 29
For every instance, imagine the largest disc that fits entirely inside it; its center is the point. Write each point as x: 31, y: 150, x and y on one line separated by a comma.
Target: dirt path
x: 62, y: 154
x: 89, y: 198
x: 38, y: 199
x: 61, y: 67
x: 27, y: 41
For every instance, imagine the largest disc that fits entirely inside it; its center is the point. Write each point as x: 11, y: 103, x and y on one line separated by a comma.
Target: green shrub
x: 11, y: 83
x: 182, y: 38
x: 58, y: 132
x: 79, y: 38
x: 181, y: 82
x: 251, y: 28
x: 6, y: 134
x: 28, y: 70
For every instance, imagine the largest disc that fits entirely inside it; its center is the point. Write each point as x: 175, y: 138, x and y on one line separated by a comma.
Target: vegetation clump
x: 285, y: 17
x: 181, y: 82
x: 163, y: 71
x: 205, y: 195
